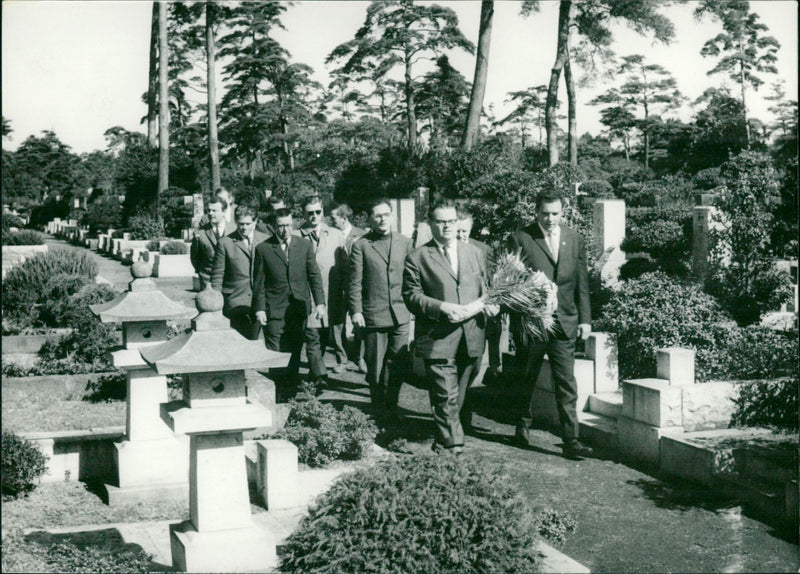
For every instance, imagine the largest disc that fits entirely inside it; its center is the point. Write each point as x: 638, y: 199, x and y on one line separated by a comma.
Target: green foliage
x: 323, y: 434
x: 655, y: 311
x: 174, y: 248
x: 57, y: 300
x: 176, y: 212
x: 22, y: 465
x: 10, y: 220
x: 768, y: 403
x: 23, y: 237
x: 598, y: 188
x: 554, y: 525
x: 26, y: 287
x: 754, y: 352
x: 145, y: 226
x: 418, y: 513
x: 741, y: 270
x: 107, y: 388
x: 707, y: 179
x: 662, y: 232
x: 102, y: 214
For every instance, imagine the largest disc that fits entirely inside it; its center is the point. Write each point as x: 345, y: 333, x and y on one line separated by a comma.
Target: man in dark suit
x: 286, y: 278
x: 204, y: 242
x: 341, y: 217
x: 560, y: 254
x: 232, y: 273
x: 442, y: 285
x: 377, y: 306
x: 494, y: 326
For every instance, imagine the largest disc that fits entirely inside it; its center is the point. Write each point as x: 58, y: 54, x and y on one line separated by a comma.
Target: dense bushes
x: 661, y: 232
x: 174, y: 248
x: 768, y: 403
x: 22, y: 465
x: 655, y: 311
x: 145, y: 226
x: 26, y: 287
x: 10, y: 220
x: 103, y: 213
x: 23, y: 237
x: 418, y: 513
x: 323, y: 434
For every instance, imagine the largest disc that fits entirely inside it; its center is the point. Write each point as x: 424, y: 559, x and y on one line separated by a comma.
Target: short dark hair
x: 343, y: 210
x: 243, y: 210
x: 441, y: 203
x: 217, y: 199
x: 273, y: 201
x: 379, y: 201
x: 548, y: 197
x: 309, y: 199
x: 278, y: 213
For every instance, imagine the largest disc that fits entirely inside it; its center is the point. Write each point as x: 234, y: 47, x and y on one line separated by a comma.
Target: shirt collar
x: 556, y: 230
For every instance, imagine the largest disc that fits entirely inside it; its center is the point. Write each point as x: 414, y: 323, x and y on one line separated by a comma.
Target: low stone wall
x: 14, y: 344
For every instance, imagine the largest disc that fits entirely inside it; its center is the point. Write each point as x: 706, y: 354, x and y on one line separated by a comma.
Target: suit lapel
x: 374, y: 245
x: 538, y: 239
x: 281, y: 255
x: 438, y: 256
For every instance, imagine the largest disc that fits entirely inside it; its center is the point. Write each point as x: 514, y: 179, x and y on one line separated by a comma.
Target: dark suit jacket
x: 376, y: 281
x: 480, y: 245
x: 233, y: 266
x: 428, y: 280
x: 204, y: 246
x: 569, y: 274
x: 276, y: 277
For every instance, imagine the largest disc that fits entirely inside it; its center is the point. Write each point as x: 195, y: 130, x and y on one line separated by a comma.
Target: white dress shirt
x: 553, y: 240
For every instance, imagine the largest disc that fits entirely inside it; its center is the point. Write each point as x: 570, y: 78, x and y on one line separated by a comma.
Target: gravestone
x: 152, y: 463
x: 220, y: 535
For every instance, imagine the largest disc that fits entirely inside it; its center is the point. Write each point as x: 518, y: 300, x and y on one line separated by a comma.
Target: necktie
x: 449, y: 258
x: 314, y: 236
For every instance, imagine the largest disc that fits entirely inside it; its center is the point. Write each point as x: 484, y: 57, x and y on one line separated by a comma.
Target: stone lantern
x: 152, y: 463
x: 220, y: 535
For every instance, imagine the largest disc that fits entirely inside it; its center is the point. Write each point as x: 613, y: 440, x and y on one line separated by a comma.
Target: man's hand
x: 261, y: 317
x: 453, y: 312
x: 491, y: 310
x: 320, y: 312
x: 583, y: 330
x: 358, y: 320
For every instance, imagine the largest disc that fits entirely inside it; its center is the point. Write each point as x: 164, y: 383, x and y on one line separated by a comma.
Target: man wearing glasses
x: 329, y: 249
x: 377, y: 307
x: 442, y: 285
x: 232, y: 273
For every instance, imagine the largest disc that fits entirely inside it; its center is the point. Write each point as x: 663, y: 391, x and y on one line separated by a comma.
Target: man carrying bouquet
x: 559, y: 253
x: 443, y: 282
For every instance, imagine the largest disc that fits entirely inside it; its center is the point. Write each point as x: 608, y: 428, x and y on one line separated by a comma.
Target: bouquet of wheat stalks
x: 521, y: 290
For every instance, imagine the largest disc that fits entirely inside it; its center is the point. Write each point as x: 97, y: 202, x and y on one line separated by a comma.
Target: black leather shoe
x: 576, y: 450
x: 522, y: 436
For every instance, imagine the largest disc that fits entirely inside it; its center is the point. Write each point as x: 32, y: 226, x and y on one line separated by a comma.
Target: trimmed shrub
x: 10, y: 220
x: 26, y: 286
x: 145, y: 226
x: 174, y: 248
x: 57, y: 299
x: 154, y: 244
x: 768, y: 403
x: 107, y: 388
x: 598, y: 188
x: 655, y: 311
x: 323, y: 434
x: 755, y: 352
x: 419, y: 513
x: 23, y: 237
x: 22, y: 463
x: 662, y: 232
x: 103, y: 213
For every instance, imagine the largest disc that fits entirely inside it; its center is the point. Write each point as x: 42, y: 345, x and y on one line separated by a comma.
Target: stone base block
x: 277, y: 474
x: 709, y: 406
x: 675, y: 365
x: 175, y: 492
x: 691, y: 461
x: 152, y: 462
x: 640, y: 441
x: 584, y: 377
x: 598, y: 430
x: 652, y: 401
x: 249, y: 549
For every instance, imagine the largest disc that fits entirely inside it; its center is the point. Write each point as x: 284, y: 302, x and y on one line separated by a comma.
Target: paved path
x: 629, y: 519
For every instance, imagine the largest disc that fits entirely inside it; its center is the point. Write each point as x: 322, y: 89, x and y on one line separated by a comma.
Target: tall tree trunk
x: 555, y: 74
x: 744, y: 103
x: 211, y: 57
x: 472, y: 129
x: 646, y: 130
x: 411, y: 115
x: 572, y: 130
x: 163, y: 108
x: 152, y: 80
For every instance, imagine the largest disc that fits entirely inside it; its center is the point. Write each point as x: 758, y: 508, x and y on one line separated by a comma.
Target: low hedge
x: 174, y: 248
x: 24, y: 237
x: 420, y: 513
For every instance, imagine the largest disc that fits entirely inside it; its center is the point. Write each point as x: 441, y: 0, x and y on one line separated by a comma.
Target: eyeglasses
x: 315, y: 212
x: 444, y: 222
x: 382, y: 215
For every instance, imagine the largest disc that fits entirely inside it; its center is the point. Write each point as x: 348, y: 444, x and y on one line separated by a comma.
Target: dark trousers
x: 449, y: 380
x: 331, y: 337
x: 287, y: 336
x: 382, y: 345
x: 560, y: 351
x: 242, y: 320
x: 494, y: 329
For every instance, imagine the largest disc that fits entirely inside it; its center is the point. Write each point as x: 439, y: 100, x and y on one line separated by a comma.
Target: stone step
x: 775, y: 464
x: 598, y: 430
x: 606, y: 404
x: 765, y: 498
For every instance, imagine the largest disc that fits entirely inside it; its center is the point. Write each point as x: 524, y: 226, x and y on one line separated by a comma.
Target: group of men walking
x: 298, y: 283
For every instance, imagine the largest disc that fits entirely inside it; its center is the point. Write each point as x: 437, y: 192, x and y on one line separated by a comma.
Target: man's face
x: 283, y: 227
x: 549, y: 215
x: 313, y: 214
x: 338, y: 221
x: 463, y: 229
x: 215, y: 214
x: 245, y: 224
x: 381, y: 219
x: 443, y: 225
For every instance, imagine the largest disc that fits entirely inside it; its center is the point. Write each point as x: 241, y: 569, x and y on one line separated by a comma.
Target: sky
x: 80, y: 67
